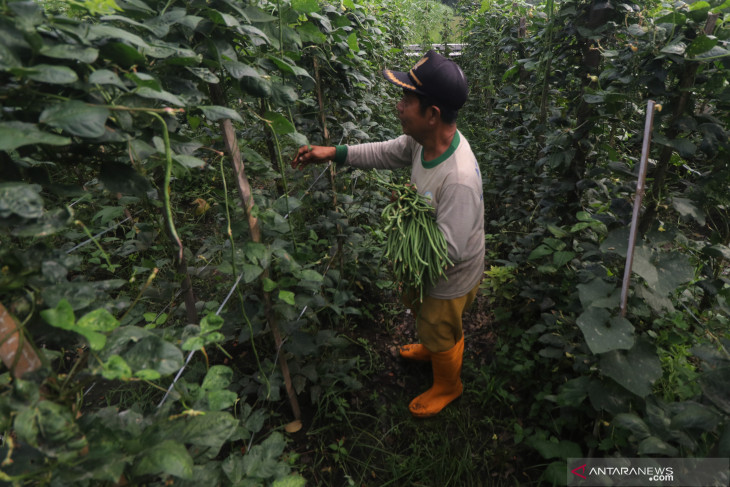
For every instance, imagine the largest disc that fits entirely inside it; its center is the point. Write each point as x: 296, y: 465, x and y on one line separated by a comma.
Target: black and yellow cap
x: 434, y: 76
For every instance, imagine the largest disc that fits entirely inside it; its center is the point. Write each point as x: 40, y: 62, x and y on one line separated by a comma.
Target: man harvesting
x: 445, y: 171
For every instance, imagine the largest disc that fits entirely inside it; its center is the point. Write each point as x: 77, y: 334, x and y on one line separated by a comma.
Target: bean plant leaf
x: 76, y: 118
x: 305, y: 6
x: 609, y: 396
x: 715, y: 385
x: 48, y: 73
x: 102, y: 31
x: 673, y: 270
x: 714, y: 53
x: 717, y: 251
x: 309, y: 32
x: 49, y: 223
x: 212, y: 429
x: 687, y: 208
x: 676, y: 48
x: 702, y: 43
x: 289, y: 68
x: 683, y: 146
x: 106, y: 77
x: 593, y: 292
x: 8, y: 60
x: 232, y: 466
x: 123, y: 178
x: 210, y: 323
x: 168, y: 457
x: 562, y: 257
x: 61, y: 316
x: 632, y: 423
x: 147, y: 374
x: 636, y: 369
x: 594, y: 98
x: 636, y: 30
x: 116, y: 368
x: 218, y: 377
x: 69, y: 51
x: 79, y: 294
x: 162, y: 95
x: 693, y: 415
x: 540, y: 251
x: 144, y: 79
x: 262, y: 461
x: 555, y: 449
x: 20, y: 199
x: 352, y: 43
x: 287, y: 297
x: 238, y: 69
x: 189, y: 162
x: 205, y: 74
x: 214, y: 112
x: 604, y: 333
x: 643, y: 266
x: 154, y: 353
x: 279, y: 124
x: 290, y: 481
x: 656, y: 446
x: 659, y: 303
x: 91, y: 326
x: 257, y: 15
x: 29, y: 14
x: 98, y: 320
x: 122, y: 54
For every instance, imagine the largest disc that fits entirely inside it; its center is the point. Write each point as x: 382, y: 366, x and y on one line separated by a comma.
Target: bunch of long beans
x: 416, y: 246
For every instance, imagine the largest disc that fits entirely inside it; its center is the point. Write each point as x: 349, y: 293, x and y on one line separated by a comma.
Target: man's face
x: 413, y: 122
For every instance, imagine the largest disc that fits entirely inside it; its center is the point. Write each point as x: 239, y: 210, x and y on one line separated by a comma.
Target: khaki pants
x: 438, y: 321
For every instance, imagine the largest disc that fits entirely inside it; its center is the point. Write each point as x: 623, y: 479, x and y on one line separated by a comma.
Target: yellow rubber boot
x: 415, y: 351
x: 446, y: 382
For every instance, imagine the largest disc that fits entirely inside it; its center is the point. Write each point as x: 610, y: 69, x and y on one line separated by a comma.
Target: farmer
x: 444, y: 170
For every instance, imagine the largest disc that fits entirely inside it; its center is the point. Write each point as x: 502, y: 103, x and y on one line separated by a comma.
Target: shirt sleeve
x: 390, y: 154
x: 458, y: 210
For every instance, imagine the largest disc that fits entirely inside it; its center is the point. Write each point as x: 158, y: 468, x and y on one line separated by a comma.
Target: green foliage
x: 112, y: 112
x: 560, y: 124
x: 110, y: 115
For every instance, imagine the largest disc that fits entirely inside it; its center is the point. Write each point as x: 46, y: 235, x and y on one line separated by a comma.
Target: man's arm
x: 390, y: 154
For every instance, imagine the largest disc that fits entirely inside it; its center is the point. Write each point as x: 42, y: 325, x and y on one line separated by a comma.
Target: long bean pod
x: 415, y: 245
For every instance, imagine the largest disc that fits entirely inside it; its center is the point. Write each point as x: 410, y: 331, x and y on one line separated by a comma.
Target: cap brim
x: 401, y: 79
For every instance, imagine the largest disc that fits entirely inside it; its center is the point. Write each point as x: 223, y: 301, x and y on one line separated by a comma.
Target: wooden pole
x: 244, y: 190
x: 332, y: 172
x: 637, y: 203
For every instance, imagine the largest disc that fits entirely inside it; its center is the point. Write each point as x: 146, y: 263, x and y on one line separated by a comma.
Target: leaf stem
x: 139, y: 294
x: 98, y: 245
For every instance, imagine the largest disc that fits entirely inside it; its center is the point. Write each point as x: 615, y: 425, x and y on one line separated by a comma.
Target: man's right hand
x: 312, y: 154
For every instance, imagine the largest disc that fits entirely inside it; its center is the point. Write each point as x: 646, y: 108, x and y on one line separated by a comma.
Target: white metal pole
x: 637, y: 203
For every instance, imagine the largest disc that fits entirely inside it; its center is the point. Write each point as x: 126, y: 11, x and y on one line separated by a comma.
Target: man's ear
x: 435, y: 112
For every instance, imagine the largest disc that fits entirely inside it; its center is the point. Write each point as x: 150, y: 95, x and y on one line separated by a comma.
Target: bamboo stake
x: 244, y: 190
x: 332, y: 172
x: 651, y: 105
